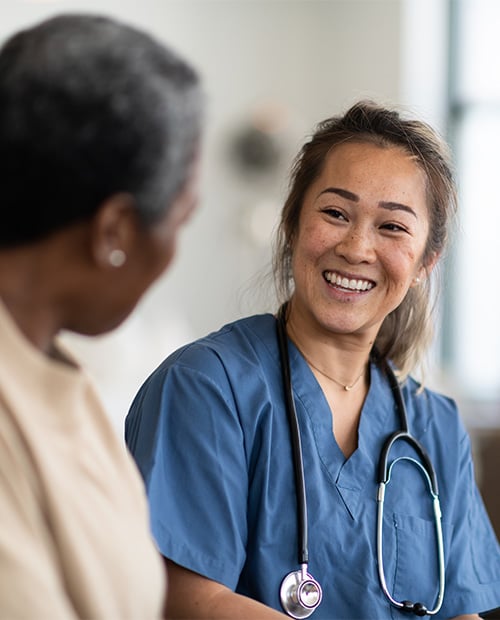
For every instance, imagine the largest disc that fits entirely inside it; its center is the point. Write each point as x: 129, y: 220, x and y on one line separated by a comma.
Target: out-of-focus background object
x: 470, y: 355
x: 272, y: 69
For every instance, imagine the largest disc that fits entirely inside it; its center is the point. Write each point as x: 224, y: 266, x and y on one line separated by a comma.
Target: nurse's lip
x: 350, y: 284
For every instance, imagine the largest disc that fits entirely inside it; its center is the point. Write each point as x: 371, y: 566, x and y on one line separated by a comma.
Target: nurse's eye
x: 335, y: 214
x: 393, y: 227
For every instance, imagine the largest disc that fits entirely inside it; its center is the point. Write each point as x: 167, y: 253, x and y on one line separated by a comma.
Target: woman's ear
x: 430, y: 264
x: 113, y: 230
x: 425, y: 270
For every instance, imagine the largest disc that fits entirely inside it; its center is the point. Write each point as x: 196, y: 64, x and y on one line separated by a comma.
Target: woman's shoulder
x: 224, y: 366
x: 243, y: 342
x: 250, y: 329
x: 426, y: 396
x: 430, y: 409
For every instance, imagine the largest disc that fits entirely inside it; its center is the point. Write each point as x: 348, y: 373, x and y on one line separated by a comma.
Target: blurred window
x: 472, y: 314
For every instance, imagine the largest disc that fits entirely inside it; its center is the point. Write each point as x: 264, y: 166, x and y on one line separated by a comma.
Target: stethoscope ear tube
x: 383, y: 469
x: 403, y: 434
x: 408, y: 606
x: 384, y: 476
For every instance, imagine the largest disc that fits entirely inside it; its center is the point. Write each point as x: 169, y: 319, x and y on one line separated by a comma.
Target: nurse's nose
x: 356, y: 246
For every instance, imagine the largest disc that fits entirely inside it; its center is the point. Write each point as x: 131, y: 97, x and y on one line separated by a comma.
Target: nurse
x: 361, y: 233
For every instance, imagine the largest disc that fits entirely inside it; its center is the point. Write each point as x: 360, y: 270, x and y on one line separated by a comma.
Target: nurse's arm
x: 467, y: 617
x: 191, y: 596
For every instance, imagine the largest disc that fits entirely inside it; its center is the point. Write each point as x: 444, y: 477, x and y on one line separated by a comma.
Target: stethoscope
x: 300, y: 593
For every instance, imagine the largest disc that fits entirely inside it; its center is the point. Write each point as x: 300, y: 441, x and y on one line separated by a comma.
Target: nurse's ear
x: 425, y: 270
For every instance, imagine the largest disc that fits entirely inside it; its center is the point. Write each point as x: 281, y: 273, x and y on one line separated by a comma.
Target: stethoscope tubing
x: 298, y: 461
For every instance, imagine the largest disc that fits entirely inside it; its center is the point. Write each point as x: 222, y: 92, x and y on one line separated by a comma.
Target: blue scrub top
x: 209, y: 432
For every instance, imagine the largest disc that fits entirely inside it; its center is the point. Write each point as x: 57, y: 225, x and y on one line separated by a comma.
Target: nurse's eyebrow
x: 397, y: 206
x: 390, y: 206
x: 344, y: 193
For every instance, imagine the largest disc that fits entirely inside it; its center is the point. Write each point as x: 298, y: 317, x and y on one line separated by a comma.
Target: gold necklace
x: 346, y: 387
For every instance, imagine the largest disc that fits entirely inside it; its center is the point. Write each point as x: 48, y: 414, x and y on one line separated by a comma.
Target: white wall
x: 307, y: 58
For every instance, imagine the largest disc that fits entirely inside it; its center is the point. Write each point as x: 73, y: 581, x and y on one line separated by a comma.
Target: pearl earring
x: 117, y: 258
x: 416, y: 279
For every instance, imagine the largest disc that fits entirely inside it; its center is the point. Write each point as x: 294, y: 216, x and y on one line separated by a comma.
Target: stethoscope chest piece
x: 300, y: 594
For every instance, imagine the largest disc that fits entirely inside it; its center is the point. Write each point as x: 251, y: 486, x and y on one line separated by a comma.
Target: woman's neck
x: 341, y: 358
x: 26, y: 294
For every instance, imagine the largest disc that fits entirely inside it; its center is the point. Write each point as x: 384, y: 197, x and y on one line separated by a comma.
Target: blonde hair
x: 406, y: 332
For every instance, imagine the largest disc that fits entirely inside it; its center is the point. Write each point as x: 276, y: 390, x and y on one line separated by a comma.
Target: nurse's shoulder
x: 236, y: 346
x: 429, y: 411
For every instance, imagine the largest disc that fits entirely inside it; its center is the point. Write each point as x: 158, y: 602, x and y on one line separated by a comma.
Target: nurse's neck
x: 342, y: 358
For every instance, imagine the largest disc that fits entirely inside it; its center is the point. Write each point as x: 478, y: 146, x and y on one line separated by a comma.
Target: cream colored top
x: 74, y: 533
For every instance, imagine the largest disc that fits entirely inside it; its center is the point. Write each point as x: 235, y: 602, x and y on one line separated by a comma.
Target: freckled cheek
x: 313, y: 244
x: 405, y: 258
x: 400, y: 270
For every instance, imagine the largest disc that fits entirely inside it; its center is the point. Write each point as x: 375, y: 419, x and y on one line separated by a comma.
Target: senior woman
x: 291, y: 461
x: 99, y: 132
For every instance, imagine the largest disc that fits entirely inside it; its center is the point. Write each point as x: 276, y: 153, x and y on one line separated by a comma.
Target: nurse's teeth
x: 353, y: 285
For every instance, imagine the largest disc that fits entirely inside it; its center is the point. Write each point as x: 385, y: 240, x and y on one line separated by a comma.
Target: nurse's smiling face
x: 362, y: 234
